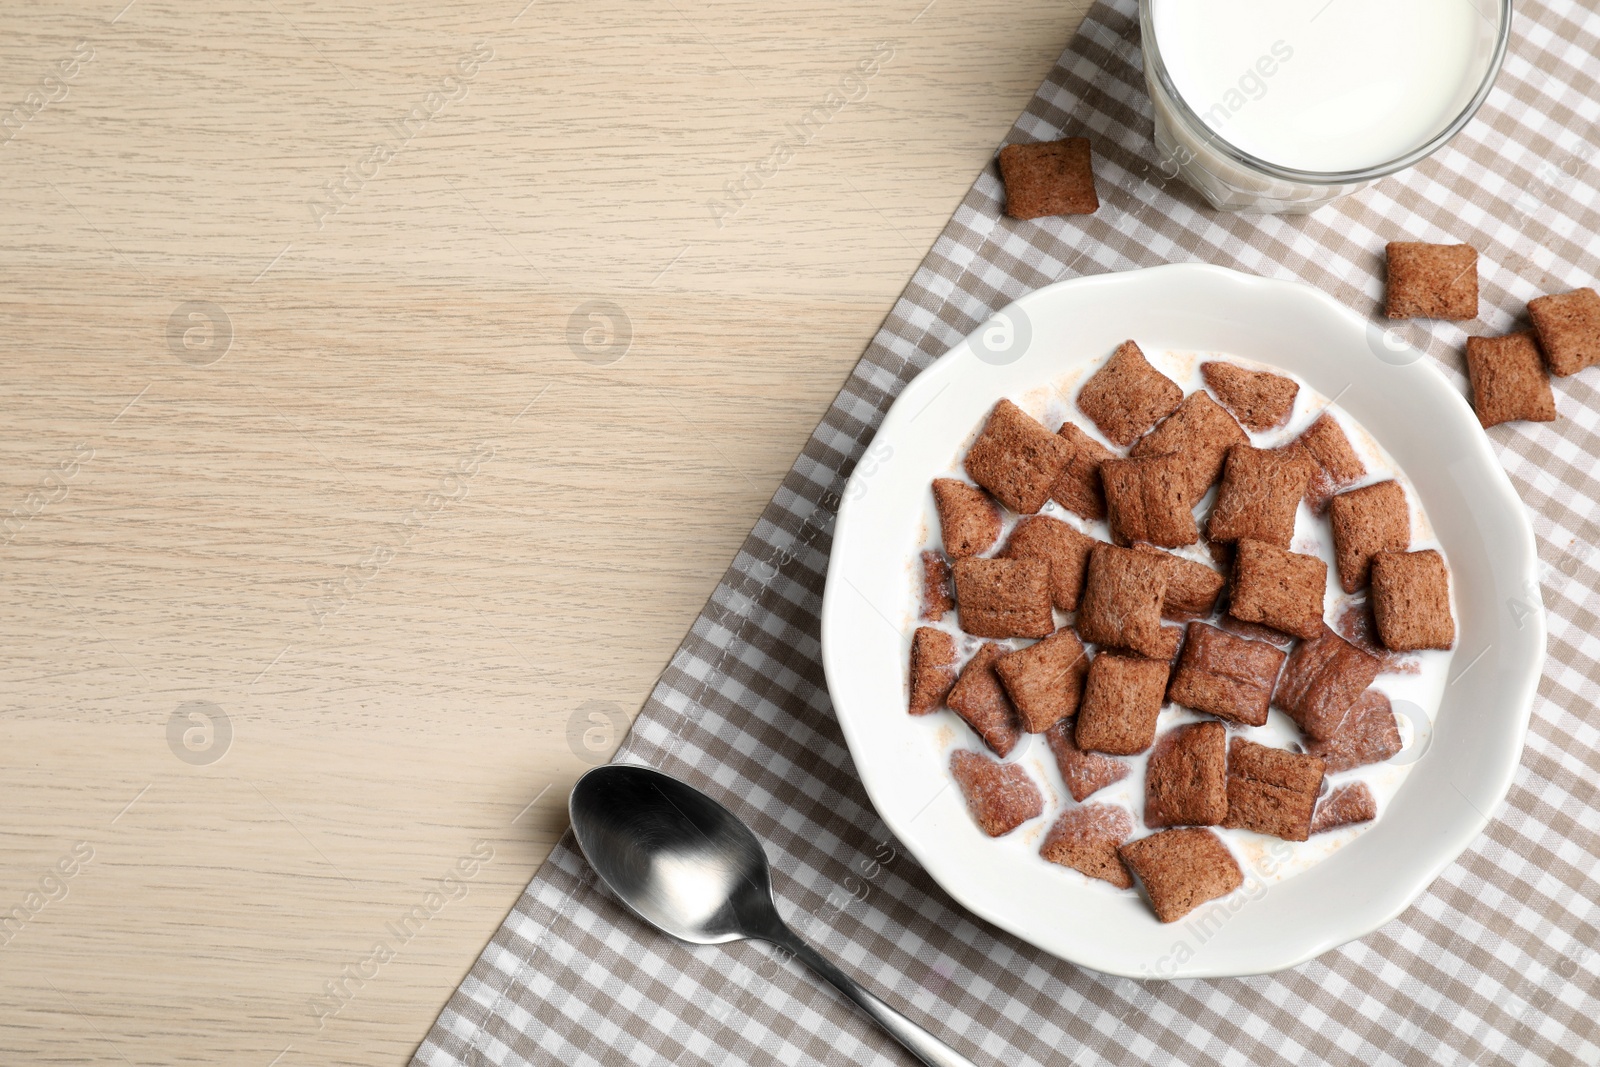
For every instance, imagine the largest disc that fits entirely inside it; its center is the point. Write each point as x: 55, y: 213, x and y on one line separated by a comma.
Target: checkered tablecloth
x: 1496, y: 964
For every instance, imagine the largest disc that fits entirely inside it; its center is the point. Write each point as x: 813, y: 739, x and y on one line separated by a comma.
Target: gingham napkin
x: 1495, y: 964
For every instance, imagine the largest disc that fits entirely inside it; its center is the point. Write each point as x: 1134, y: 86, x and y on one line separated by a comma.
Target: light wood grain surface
x: 385, y: 390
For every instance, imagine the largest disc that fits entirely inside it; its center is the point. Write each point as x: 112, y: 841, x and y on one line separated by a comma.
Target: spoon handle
x: 923, y: 1045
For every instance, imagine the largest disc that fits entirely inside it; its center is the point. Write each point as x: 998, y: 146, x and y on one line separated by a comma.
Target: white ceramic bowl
x: 1412, y: 411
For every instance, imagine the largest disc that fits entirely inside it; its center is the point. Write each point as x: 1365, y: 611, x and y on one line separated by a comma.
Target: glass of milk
x: 1284, y: 105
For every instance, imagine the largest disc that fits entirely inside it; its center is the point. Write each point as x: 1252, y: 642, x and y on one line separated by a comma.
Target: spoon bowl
x: 682, y: 862
x: 689, y: 867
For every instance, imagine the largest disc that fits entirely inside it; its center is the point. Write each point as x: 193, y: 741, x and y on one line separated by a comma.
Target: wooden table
x: 385, y: 391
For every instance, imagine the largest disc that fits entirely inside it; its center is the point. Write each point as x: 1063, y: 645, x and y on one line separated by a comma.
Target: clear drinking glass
x: 1234, y: 180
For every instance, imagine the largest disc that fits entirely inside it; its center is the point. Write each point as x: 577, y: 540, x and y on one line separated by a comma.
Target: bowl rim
x: 1407, y: 887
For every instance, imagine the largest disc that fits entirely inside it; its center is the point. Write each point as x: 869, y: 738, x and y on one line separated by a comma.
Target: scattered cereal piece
x: 1411, y: 600
x: 1260, y: 494
x: 1261, y: 401
x: 969, y: 521
x: 1182, y: 869
x: 1049, y: 178
x: 980, y: 699
x: 1374, y: 518
x: 1045, y: 679
x: 1281, y: 589
x: 1185, y: 782
x: 1085, y: 773
x: 1004, y: 597
x: 1086, y: 839
x: 1322, y: 682
x: 1016, y: 458
x: 1368, y: 734
x: 1254, y: 631
x: 1508, y: 380
x: 1200, y: 433
x: 933, y: 668
x: 1078, y: 487
x: 1294, y: 771
x: 1269, y: 809
x: 1128, y: 396
x: 1121, y: 702
x: 1121, y: 603
x: 1345, y: 806
x: 1271, y: 791
x: 1000, y: 796
x: 1356, y: 625
x: 1064, y: 550
x: 1226, y: 676
x: 1147, y: 500
x: 1335, y: 464
x: 1432, y: 281
x: 1192, y: 588
x: 1569, y: 329
x: 936, y: 599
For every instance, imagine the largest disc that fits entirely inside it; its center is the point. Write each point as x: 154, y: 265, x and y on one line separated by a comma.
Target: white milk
x: 1326, y: 85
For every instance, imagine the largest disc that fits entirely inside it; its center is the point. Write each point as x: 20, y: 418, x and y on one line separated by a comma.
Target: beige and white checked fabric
x: 1496, y: 964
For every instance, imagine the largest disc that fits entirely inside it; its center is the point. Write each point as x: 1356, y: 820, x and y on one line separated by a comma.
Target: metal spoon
x: 688, y: 866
